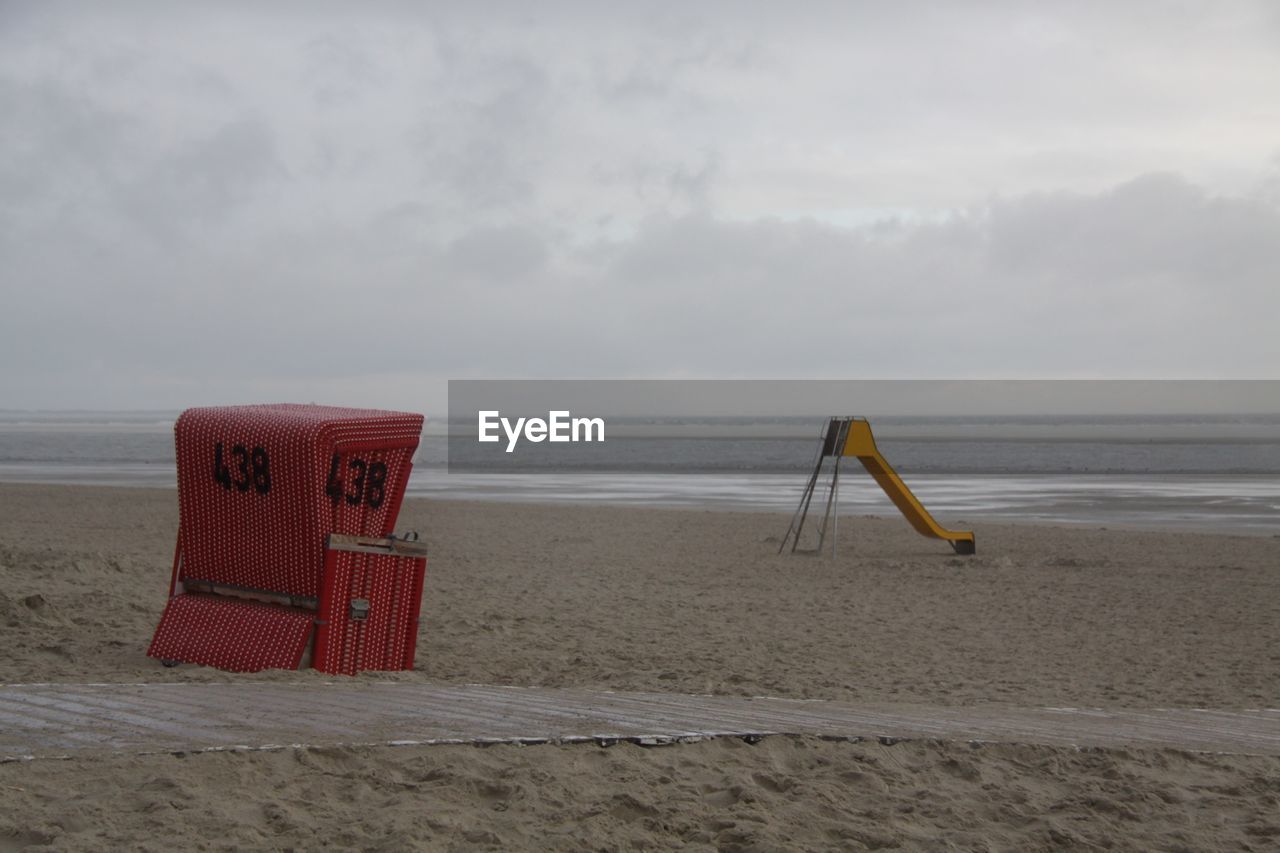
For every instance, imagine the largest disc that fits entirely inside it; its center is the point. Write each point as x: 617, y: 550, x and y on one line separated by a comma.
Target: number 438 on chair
x: 242, y: 469
x: 366, y: 482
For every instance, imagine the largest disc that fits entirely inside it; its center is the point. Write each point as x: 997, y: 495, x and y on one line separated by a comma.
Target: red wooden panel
x: 232, y: 634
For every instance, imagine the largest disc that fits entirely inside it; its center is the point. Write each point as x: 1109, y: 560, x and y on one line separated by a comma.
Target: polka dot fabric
x: 231, y: 634
x: 317, y: 462
x: 387, y: 638
x: 259, y: 490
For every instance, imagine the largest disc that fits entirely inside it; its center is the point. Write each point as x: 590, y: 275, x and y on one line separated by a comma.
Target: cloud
x: 223, y: 202
x: 1152, y: 278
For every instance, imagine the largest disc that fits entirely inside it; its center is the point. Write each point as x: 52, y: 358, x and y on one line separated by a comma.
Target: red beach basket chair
x: 285, y: 541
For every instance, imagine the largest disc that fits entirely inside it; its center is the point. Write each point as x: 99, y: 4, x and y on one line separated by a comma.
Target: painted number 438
x: 364, y: 482
x: 242, y: 468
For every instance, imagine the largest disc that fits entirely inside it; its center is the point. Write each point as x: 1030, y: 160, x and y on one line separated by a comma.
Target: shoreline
x: 877, y: 506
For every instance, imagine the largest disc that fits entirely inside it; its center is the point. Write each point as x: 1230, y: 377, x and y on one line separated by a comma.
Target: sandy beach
x: 684, y: 601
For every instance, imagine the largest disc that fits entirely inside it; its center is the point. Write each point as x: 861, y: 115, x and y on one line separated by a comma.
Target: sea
x: 1170, y: 472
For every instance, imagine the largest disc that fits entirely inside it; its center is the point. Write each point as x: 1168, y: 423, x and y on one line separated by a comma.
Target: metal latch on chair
x: 359, y: 609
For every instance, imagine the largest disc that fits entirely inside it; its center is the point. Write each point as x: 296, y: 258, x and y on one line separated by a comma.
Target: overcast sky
x: 352, y: 203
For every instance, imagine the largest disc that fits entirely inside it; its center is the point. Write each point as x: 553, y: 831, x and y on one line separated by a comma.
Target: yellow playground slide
x: 852, y: 437
x: 860, y: 443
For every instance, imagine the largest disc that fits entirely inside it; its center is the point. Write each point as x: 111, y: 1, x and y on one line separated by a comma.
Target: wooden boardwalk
x: 59, y: 720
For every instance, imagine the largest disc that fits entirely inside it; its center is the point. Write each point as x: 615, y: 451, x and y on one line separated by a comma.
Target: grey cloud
x: 507, y: 256
x: 59, y: 147
x: 204, y: 179
x: 1063, y: 286
x: 703, y: 297
x: 221, y: 199
x: 338, y: 69
x: 1157, y: 224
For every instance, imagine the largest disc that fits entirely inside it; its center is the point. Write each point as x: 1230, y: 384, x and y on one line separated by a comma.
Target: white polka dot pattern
x: 275, y: 540
x: 387, y: 638
x: 259, y: 490
x: 232, y: 634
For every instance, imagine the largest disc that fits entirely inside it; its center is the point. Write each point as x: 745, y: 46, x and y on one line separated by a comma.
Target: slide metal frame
x: 852, y: 436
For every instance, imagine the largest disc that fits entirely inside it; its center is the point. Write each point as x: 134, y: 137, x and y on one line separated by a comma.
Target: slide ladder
x: 852, y: 437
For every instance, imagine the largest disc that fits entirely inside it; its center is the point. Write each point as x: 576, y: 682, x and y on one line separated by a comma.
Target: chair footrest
x: 232, y: 633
